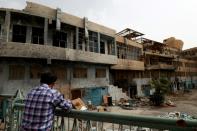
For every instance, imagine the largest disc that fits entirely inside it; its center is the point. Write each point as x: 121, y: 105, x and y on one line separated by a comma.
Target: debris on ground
x: 103, y: 109
x: 79, y: 104
x: 178, y: 115
x: 170, y: 103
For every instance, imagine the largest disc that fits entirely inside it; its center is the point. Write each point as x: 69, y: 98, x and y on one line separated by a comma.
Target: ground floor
x: 24, y: 74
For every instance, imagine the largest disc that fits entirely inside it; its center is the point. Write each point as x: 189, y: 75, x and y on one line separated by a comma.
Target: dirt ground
x: 184, y: 102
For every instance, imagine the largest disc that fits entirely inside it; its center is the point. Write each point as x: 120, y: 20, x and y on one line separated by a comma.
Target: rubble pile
x: 178, y: 115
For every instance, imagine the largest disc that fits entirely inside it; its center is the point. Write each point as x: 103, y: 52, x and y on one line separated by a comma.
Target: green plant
x: 161, y: 86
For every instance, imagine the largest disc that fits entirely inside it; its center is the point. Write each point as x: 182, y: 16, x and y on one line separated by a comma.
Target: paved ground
x: 185, y: 102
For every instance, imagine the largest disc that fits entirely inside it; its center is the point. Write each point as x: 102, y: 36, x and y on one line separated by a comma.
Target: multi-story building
x: 189, y: 66
x: 127, y: 73
x: 88, y: 58
x: 40, y: 38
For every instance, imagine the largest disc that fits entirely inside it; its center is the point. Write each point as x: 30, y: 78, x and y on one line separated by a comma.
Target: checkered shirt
x: 39, y: 108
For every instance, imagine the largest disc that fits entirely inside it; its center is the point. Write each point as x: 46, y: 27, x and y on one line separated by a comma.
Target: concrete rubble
x: 178, y: 115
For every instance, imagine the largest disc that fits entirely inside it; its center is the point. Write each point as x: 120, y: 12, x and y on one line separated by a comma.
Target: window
x: 16, y: 72
x: 35, y: 71
x: 60, y: 72
x: 102, y: 47
x: 60, y: 39
x: 81, y: 35
x: 37, y: 35
x: 0, y: 31
x: 93, y: 41
x: 19, y: 33
x: 80, y: 73
x: 100, y: 73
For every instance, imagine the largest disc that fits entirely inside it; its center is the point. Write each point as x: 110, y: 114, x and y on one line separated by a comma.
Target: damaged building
x: 38, y: 38
x: 90, y: 60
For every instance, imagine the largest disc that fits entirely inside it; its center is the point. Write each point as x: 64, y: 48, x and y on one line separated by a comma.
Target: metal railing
x: 102, y: 121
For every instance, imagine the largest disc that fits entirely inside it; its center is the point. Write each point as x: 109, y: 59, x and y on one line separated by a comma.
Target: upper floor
x: 190, y: 53
x: 129, y: 51
x: 42, y: 32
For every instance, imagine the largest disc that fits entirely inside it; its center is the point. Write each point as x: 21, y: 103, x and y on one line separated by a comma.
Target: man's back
x: 39, y: 108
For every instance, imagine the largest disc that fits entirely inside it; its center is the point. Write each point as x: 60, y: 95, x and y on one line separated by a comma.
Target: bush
x: 161, y: 86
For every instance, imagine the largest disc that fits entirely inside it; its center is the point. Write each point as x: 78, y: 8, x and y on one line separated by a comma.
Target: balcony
x: 26, y: 50
x: 160, y: 66
x: 125, y: 64
x: 156, y: 53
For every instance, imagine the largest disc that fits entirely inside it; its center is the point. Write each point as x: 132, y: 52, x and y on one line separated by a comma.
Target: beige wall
x: 26, y: 50
x: 50, y: 13
x: 123, y: 64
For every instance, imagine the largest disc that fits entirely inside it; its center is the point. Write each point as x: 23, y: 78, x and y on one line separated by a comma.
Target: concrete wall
x: 91, y: 81
x: 50, y: 13
x: 127, y: 64
x: 139, y: 83
x: 13, y: 49
x: 9, y: 87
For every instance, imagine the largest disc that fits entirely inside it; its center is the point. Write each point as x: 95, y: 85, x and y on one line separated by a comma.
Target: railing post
x: 88, y: 125
x: 62, y: 126
x: 75, y: 126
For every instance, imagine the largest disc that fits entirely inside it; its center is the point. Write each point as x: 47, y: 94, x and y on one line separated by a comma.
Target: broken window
x: 100, y: 73
x: 111, y: 47
x: 80, y: 72
x: 81, y: 35
x: 35, y: 71
x: 93, y: 41
x: 76, y: 94
x: 37, y: 35
x: 16, y: 72
x: 110, y: 42
x: 19, y: 33
x: 74, y: 41
x: 60, y: 72
x: 0, y: 31
x: 121, y: 49
x: 102, y: 47
x: 60, y: 39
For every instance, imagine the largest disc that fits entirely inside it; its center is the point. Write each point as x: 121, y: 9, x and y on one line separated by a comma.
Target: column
x: 7, y: 26
x: 77, y: 38
x: 29, y: 34
x: 46, y: 31
x: 99, y: 42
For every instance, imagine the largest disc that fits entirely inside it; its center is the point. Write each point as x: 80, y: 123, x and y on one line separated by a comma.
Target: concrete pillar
x: 46, y: 31
x: 99, y: 42
x: 28, y: 34
x: 106, y: 48
x: 71, y: 41
x: 77, y: 38
x: 84, y: 45
x: 7, y: 26
x: 115, y: 46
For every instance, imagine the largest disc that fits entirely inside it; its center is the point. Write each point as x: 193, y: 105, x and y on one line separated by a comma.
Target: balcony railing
x: 160, y: 66
x: 102, y: 121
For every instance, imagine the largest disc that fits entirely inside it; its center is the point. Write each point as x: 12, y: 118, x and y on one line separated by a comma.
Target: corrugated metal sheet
x: 95, y: 95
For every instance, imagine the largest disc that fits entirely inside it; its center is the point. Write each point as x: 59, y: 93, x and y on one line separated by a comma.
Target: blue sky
x: 158, y: 19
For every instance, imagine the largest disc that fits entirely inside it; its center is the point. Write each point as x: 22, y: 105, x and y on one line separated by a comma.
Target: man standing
x: 40, y: 104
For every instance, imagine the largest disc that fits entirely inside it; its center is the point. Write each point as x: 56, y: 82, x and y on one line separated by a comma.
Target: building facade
x: 87, y: 57
x: 40, y: 38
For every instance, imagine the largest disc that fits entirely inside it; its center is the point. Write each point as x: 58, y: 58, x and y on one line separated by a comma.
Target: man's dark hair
x: 48, y: 78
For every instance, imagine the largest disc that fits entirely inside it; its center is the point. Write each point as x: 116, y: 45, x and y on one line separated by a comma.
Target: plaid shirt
x: 39, y: 108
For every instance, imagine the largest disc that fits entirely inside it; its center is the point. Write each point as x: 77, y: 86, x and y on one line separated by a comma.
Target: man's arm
x: 58, y: 100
